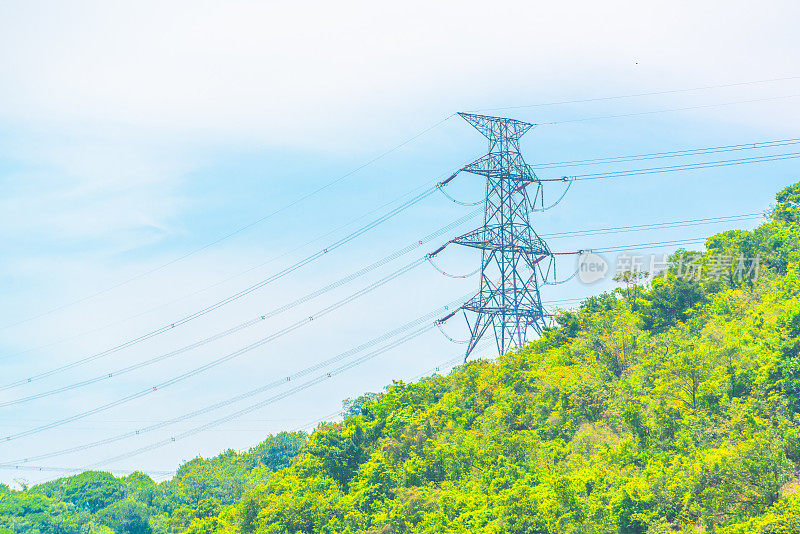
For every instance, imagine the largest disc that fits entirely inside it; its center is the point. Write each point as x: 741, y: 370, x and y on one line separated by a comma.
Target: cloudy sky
x: 133, y: 135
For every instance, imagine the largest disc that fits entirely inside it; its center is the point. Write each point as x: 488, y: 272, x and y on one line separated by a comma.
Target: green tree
x: 670, y: 301
x: 126, y: 517
x: 92, y: 490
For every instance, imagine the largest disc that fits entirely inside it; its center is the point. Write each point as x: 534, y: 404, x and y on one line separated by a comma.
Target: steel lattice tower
x: 511, y: 252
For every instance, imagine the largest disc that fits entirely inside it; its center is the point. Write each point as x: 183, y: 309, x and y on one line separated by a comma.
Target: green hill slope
x: 666, y: 408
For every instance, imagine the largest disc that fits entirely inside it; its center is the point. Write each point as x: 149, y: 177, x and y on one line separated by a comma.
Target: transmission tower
x: 512, y: 254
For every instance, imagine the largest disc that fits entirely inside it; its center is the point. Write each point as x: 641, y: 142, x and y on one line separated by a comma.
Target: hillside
x: 665, y: 407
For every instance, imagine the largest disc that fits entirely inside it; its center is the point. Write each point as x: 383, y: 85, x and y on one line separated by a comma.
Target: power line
x: 271, y: 385
x: 271, y: 400
x: 635, y: 246
x: 555, y: 235
x: 337, y: 180
x: 612, y: 159
x: 78, y: 470
x: 635, y: 95
x: 685, y: 167
x: 196, y: 370
x: 669, y: 154
x: 218, y: 361
x: 328, y: 375
x: 246, y: 324
x: 244, y: 429
x: 280, y: 274
x: 237, y: 231
x: 545, y: 165
x: 14, y: 421
x: 655, y: 226
x: 352, y: 276
x: 229, y: 278
x: 276, y: 383
x: 444, y: 365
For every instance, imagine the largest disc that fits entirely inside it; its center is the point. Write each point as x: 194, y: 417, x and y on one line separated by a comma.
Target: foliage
x: 672, y: 406
x: 95, y: 502
x: 125, y: 517
x: 351, y: 407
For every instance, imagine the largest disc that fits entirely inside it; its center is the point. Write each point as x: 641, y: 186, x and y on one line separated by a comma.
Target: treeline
x: 97, y: 502
x: 669, y: 405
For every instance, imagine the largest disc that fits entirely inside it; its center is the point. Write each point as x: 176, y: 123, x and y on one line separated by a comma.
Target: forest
x: 671, y: 404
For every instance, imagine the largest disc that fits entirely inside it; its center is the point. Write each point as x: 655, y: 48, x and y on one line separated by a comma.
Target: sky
x: 135, y: 136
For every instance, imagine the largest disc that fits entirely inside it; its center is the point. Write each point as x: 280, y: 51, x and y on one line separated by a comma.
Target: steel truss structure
x: 512, y: 254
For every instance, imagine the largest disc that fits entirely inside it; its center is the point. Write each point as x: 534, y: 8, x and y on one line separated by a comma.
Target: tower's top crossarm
x: 497, y: 128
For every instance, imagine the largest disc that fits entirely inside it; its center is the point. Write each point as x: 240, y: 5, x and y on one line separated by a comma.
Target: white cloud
x: 80, y: 190
x: 287, y: 73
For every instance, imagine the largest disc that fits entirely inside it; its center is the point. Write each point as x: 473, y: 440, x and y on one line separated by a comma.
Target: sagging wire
x: 429, y: 258
x: 440, y: 322
x: 445, y: 273
x: 449, y: 338
x: 440, y: 187
x: 573, y: 275
x: 557, y: 202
